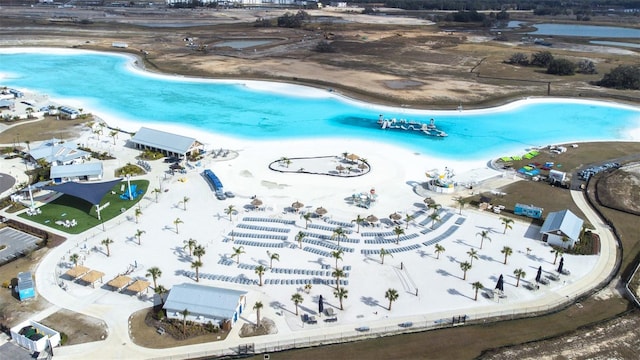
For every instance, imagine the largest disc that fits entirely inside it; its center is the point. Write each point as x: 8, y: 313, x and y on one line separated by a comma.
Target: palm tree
x: 161, y: 290
x: 465, y: 266
x: 156, y: 191
x: 391, y: 295
x: 358, y: 220
x: 176, y: 222
x: 299, y: 236
x: 557, y: 253
x: 384, y: 253
x: 114, y: 135
x: 341, y: 293
x: 398, y: 231
x: 338, y: 234
x: 307, y: 288
x: 507, y: 223
x: 297, y: 299
x: 434, y: 217
x: 190, y: 244
x: 237, y: 252
x: 439, y: 249
x: 137, y: 213
x: 337, y: 273
x: 184, y: 202
x: 461, y: 203
x: 337, y: 255
x: 408, y: 218
x: 257, y: 306
x: 106, y: 242
x: 484, y: 235
x: 473, y: 254
x: 199, y: 251
x: 528, y: 251
x: 506, y: 251
x: 196, y: 265
x: 74, y: 258
x: 184, y: 314
x: 434, y: 207
x: 477, y: 286
x: 139, y: 234
x: 519, y: 273
x: 154, y: 273
x: 260, y: 271
x: 230, y: 210
x: 307, y: 219
x: 272, y: 256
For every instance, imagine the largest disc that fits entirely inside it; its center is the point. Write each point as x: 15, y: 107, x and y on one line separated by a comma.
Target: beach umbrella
x: 362, y: 166
x: 321, y: 211
x: 297, y: 205
x: 340, y: 168
x: 353, y: 157
x: 539, y: 275
x: 372, y: 218
x: 320, y: 305
x: 256, y: 202
x: 561, y: 265
x: 395, y: 216
x: 500, y: 283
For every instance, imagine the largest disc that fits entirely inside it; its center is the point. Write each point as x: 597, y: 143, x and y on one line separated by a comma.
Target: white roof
x: 163, y: 140
x: 205, y: 300
x: 53, y: 150
x: 564, y: 221
x: 75, y: 170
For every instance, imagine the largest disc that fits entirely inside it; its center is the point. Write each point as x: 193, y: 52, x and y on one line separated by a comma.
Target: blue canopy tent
x: 90, y: 192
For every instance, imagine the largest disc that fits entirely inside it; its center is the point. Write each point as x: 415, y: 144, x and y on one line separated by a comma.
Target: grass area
x: 68, y: 207
x: 43, y: 129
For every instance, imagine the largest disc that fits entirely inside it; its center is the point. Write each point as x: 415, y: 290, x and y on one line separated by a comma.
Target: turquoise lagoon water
x: 106, y: 84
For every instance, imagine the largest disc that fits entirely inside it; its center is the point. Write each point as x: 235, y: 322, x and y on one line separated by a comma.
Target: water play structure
x: 429, y: 129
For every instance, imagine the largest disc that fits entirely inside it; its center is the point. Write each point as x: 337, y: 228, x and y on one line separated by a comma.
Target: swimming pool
x: 107, y: 83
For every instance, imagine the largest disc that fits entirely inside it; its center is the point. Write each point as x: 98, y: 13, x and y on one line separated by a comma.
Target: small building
x: 25, y: 288
x: 169, y: 144
x: 68, y: 112
x: 56, y: 152
x: 77, y: 172
x: 34, y: 336
x: 221, y: 307
x: 557, y: 177
x: 531, y: 211
x: 559, y: 225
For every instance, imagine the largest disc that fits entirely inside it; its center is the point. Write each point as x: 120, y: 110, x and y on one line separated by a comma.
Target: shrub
x: 561, y: 67
x: 622, y: 77
x: 541, y: 59
x: 63, y: 338
x: 160, y: 315
x: 587, y: 67
x: 324, y: 47
x: 518, y: 59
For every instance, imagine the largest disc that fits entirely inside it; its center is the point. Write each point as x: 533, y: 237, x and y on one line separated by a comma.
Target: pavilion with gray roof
x: 559, y: 225
x: 205, y: 303
x: 169, y: 144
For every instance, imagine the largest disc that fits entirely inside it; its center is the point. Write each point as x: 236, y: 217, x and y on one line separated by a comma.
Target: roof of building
x: 94, y: 168
x: 163, y: 140
x: 205, y: 300
x: 565, y: 221
x: 25, y: 281
x: 54, y: 150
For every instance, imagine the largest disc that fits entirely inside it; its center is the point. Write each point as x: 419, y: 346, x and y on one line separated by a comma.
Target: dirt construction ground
x: 395, y: 60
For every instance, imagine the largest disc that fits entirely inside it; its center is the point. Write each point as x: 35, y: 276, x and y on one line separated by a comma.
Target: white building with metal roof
x: 56, y: 152
x: 166, y: 143
x: 77, y: 172
x: 561, y: 224
x: 220, y: 306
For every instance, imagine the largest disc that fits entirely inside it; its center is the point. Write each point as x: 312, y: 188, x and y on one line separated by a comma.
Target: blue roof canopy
x: 91, y: 192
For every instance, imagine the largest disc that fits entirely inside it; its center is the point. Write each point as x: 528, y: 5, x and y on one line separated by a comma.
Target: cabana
x: 77, y: 271
x: 138, y: 286
x: 119, y: 282
x: 92, y: 276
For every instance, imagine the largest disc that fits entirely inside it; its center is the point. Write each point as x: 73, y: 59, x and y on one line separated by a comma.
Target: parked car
x: 229, y: 194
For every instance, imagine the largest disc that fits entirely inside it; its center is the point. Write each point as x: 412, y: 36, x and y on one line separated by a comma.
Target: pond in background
x: 616, y: 43
x: 586, y: 31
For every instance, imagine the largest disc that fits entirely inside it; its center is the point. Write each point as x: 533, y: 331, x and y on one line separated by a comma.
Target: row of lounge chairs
x: 263, y: 228
x: 317, y: 251
x: 460, y: 220
x: 339, y: 223
x: 272, y: 220
x: 260, y: 244
x: 225, y: 261
x: 315, y: 281
x: 304, y: 272
x: 426, y: 221
x: 246, y: 266
x: 234, y: 279
x: 258, y: 236
x: 327, y: 244
x: 379, y: 240
x: 378, y: 234
x: 327, y: 228
x: 442, y: 236
x: 391, y: 250
x: 328, y: 237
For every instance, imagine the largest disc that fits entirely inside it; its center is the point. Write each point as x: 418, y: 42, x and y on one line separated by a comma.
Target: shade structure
x: 77, y: 271
x: 539, y: 275
x: 395, y: 216
x: 353, y: 157
x: 138, y: 286
x: 340, y: 168
x: 561, y: 265
x: 372, y: 218
x: 256, y: 202
x: 90, y: 192
x: 500, y: 283
x: 321, y: 211
x: 92, y: 276
x: 297, y: 205
x: 320, y: 305
x: 362, y: 166
x: 119, y: 282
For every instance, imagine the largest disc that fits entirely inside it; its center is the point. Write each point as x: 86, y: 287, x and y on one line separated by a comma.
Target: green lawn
x: 68, y: 207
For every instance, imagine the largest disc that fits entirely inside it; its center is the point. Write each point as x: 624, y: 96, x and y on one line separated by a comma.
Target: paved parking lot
x: 17, y: 243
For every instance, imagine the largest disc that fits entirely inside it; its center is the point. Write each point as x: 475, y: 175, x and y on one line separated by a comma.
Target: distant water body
x: 108, y: 84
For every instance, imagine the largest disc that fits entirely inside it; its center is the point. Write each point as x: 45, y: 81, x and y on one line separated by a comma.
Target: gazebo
x: 92, y: 276
x: 119, y: 282
x: 138, y: 286
x: 77, y: 271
